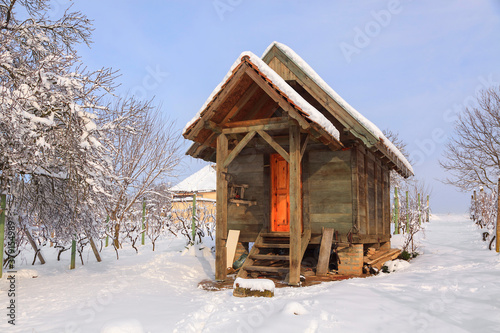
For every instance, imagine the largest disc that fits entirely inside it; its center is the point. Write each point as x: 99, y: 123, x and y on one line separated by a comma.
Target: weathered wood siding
x: 249, y: 169
x: 328, y: 182
x: 373, y: 218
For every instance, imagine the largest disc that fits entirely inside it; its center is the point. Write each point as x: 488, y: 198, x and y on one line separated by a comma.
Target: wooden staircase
x: 270, y: 255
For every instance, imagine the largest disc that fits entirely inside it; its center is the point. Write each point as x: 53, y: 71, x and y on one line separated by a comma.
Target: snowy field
x: 453, y: 287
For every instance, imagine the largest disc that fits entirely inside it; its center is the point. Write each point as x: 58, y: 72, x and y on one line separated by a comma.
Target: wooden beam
x: 264, y: 127
x: 275, y: 145
x: 304, y: 146
x: 285, y: 105
x: 221, y: 206
x: 295, y: 206
x: 239, y: 147
x: 212, y: 126
x: 256, y: 122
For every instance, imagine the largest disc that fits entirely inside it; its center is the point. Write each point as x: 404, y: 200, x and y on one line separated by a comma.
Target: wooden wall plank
x: 355, y: 188
x: 362, y: 199
x: 370, y: 186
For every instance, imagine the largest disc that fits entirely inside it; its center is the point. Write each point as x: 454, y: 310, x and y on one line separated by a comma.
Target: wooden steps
x: 270, y: 255
x: 269, y: 269
x: 275, y: 257
x: 276, y: 234
x: 273, y: 246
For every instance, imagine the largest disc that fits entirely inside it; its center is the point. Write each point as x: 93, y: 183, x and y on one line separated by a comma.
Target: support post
x: 396, y: 211
x: 497, y: 248
x: 295, y: 206
x: 3, y: 204
x: 221, y: 203
x: 143, y: 237
x: 193, y: 220
x: 73, y: 254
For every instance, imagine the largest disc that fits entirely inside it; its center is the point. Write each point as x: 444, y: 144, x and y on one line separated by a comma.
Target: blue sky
x: 408, y: 66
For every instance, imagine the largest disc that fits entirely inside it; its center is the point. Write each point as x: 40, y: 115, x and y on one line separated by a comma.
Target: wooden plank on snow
x: 232, y: 242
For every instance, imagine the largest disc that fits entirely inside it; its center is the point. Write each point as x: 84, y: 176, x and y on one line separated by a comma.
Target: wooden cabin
x: 308, y: 162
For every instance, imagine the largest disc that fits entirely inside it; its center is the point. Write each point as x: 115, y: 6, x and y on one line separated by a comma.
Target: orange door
x: 280, y: 195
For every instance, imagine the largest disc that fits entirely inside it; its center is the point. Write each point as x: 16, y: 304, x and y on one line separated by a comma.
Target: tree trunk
x: 117, y: 236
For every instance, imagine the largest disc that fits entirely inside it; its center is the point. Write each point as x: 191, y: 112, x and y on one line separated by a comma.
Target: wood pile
x: 376, y: 258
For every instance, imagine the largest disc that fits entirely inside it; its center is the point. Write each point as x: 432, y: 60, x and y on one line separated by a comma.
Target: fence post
x: 193, y: 224
x: 143, y: 220
x: 73, y: 254
x: 407, y: 212
x: 396, y: 211
x: 428, y: 210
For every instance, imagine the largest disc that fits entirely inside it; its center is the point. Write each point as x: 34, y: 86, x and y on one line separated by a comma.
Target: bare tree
x: 145, y: 153
x: 472, y: 156
x: 396, y: 180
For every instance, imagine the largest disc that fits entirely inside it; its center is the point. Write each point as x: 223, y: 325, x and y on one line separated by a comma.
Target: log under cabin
x: 305, y: 158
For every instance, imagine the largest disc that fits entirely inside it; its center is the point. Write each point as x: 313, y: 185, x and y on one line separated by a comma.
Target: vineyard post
x: 407, y: 212
x: 193, y: 224
x: 428, y: 210
x: 396, y: 211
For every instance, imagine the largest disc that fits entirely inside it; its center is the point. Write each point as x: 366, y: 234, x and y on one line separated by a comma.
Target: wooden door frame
x: 275, y: 157
x: 271, y: 184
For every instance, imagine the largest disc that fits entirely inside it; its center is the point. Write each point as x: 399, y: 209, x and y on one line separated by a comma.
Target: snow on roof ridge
x: 204, y: 180
x: 264, y: 68
x: 367, y: 124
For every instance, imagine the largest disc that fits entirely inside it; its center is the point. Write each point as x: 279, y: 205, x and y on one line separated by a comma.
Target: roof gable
x: 292, y: 67
x: 253, y: 91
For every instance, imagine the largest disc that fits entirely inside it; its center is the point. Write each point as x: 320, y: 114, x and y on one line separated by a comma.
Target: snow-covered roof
x: 312, y: 113
x: 368, y: 125
x: 201, y: 181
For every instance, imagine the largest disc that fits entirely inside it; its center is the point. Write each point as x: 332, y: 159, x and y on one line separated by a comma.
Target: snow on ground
x: 454, y: 286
